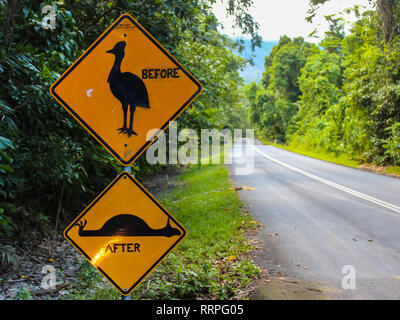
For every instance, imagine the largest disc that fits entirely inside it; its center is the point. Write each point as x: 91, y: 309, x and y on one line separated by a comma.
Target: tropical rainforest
x: 49, y: 165
x: 341, y: 96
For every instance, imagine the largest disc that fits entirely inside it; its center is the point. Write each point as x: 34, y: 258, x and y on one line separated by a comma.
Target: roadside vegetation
x: 212, y: 262
x: 50, y: 167
x: 341, y: 159
x: 322, y: 154
x: 338, y: 101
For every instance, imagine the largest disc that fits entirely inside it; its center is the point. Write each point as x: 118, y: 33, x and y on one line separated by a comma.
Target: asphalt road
x: 326, y: 216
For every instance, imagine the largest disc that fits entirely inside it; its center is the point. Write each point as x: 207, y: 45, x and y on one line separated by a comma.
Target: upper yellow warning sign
x: 124, y: 233
x: 123, y: 86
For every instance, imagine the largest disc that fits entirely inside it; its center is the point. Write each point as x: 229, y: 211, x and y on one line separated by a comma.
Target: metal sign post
x: 124, y: 85
x: 129, y: 170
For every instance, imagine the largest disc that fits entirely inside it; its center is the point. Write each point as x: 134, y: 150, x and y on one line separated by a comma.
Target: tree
x: 276, y: 104
x: 56, y: 163
x: 318, y: 124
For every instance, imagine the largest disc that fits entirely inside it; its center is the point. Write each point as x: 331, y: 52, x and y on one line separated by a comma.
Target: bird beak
x: 110, y: 51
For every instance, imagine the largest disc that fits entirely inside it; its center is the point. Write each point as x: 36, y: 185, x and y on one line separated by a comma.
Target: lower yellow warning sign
x: 124, y: 233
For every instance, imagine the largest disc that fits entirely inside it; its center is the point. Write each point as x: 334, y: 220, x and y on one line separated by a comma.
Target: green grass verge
x: 211, y: 262
x: 393, y: 170
x: 338, y: 159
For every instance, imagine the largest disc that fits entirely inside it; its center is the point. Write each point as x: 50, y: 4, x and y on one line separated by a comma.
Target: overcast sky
x: 278, y: 17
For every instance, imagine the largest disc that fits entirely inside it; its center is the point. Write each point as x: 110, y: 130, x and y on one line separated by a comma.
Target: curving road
x: 326, y: 216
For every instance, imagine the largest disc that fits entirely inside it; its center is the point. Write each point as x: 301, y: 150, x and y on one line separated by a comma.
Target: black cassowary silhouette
x: 127, y: 225
x: 127, y: 87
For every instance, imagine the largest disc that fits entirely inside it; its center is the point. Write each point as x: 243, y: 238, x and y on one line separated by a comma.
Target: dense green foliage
x: 345, y: 99
x: 274, y: 103
x: 50, y: 167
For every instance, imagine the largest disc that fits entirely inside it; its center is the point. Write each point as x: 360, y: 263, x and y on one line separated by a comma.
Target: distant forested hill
x: 254, y: 73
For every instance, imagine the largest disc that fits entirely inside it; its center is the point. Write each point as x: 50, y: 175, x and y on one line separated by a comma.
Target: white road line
x: 335, y: 185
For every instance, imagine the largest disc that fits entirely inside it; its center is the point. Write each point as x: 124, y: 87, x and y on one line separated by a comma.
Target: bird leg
x: 129, y: 131
x: 125, y: 110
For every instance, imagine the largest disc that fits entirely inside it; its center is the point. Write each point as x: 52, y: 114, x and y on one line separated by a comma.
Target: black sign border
x: 120, y: 176
x: 166, y: 124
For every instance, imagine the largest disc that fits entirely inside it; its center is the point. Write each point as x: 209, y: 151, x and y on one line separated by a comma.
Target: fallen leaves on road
x: 254, y: 243
x: 273, y: 234
x: 379, y: 169
x: 314, y: 289
x: 244, y: 188
x: 397, y: 277
x: 247, y: 188
x: 288, y: 280
x: 232, y: 257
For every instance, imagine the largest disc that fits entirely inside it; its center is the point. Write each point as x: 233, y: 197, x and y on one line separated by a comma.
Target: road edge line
x: 382, y: 203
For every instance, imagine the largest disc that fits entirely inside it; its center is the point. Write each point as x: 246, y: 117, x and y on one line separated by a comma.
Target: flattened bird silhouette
x: 127, y: 225
x: 127, y: 87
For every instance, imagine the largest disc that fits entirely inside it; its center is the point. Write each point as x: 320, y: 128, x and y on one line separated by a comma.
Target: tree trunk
x: 386, y: 17
x: 11, y: 8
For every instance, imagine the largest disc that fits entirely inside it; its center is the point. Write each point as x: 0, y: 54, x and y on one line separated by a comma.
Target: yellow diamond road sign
x: 124, y: 233
x: 123, y: 86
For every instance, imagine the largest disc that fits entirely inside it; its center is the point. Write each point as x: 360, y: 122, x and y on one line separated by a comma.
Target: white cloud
x: 278, y: 17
